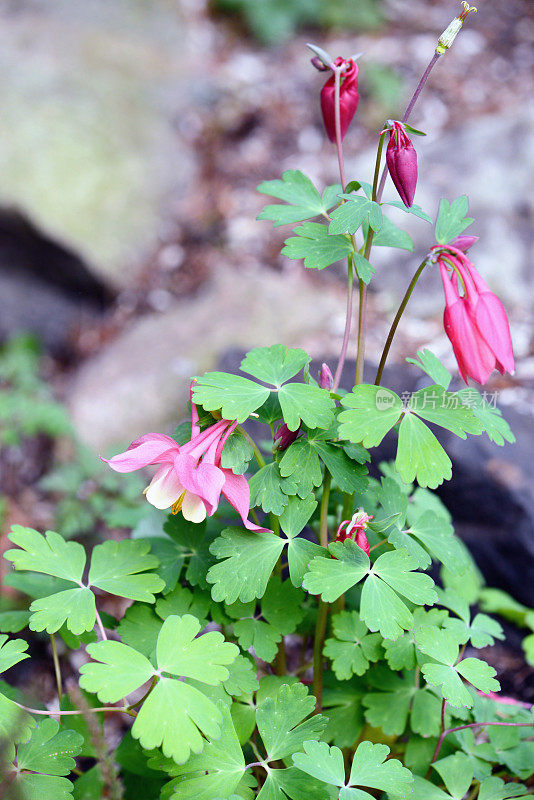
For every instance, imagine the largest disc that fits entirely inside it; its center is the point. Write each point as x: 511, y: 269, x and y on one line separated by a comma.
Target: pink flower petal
x: 165, y: 488
x: 204, y: 480
x: 152, y: 448
x: 492, y: 323
x: 237, y: 492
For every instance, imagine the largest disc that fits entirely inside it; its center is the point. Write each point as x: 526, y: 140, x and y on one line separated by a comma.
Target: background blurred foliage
x: 275, y: 21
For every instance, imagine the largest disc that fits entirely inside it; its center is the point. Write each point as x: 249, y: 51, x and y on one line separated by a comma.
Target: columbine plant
x: 307, y: 654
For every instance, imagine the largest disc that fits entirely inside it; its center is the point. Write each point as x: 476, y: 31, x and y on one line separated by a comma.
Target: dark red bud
x: 401, y: 159
x: 348, y: 99
x: 318, y: 64
x: 463, y: 243
x: 284, y: 437
x: 326, y: 379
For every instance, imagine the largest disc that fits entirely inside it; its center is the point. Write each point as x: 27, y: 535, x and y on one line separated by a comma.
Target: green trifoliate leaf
x: 369, y: 769
x: 192, y: 543
x: 314, y: 244
x: 371, y: 412
x: 303, y: 199
x: 393, y: 501
x: 15, y: 724
x: 300, y: 552
x: 275, y: 364
x: 390, y: 235
x: 115, y: 567
x: 416, y: 210
x: 301, y: 459
x: 11, y: 652
x: 262, y: 637
x: 429, y: 363
x: 400, y: 653
x: 307, y: 403
x: 456, y: 772
x: 389, y: 709
x: 355, y: 186
x: 281, y: 722
x: 495, y: 788
x: 236, y: 397
x: 364, y: 268
x: 50, y: 554
x: 481, y: 632
x: 331, y: 577
x: 352, y: 647
x: 350, y: 216
x: 485, y: 410
x: 249, y: 561
x: 350, y: 477
x: 236, y: 454
x: 452, y: 219
x: 419, y: 454
x: 216, y: 772
x: 266, y: 489
x: 442, y: 646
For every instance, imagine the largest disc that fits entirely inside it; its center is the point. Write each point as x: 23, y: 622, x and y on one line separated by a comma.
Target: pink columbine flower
x: 348, y: 98
x: 189, y: 477
x: 355, y: 529
x: 475, y: 321
x: 401, y: 159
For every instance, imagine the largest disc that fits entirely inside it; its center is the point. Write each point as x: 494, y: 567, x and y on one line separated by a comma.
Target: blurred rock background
x: 132, y: 136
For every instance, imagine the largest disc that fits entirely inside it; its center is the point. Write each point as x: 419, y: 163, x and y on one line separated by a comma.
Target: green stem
x: 144, y: 697
x: 362, y: 314
x: 57, y: 668
x: 122, y: 709
x: 318, y: 643
x: 348, y: 323
x: 395, y: 323
x: 280, y: 663
x: 323, y: 526
x: 322, y: 611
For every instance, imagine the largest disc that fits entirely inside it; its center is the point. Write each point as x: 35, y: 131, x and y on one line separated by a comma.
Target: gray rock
x: 95, y: 100
x: 140, y: 381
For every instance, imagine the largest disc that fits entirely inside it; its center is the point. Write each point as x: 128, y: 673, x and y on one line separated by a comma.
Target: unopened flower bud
x: 284, y: 437
x: 401, y: 159
x: 463, y: 243
x: 326, y: 379
x: 318, y: 64
x: 451, y: 32
x: 348, y: 99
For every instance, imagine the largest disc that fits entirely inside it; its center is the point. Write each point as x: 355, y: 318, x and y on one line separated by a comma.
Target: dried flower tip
x: 318, y: 64
x: 449, y: 34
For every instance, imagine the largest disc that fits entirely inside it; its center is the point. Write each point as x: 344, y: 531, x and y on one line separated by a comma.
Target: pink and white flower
x: 189, y: 477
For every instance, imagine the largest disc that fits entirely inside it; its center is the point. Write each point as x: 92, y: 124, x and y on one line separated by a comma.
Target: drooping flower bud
x: 463, y: 243
x: 284, y: 437
x: 326, y: 379
x: 401, y: 159
x: 355, y: 529
x: 348, y: 99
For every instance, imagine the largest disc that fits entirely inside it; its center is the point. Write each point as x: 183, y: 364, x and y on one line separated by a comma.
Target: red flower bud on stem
x: 326, y: 379
x: 355, y: 529
x: 348, y: 98
x: 284, y: 437
x: 401, y: 159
